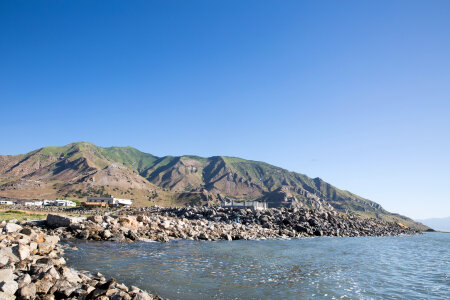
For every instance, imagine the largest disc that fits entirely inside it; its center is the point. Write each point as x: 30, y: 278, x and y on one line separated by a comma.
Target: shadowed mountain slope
x: 80, y: 169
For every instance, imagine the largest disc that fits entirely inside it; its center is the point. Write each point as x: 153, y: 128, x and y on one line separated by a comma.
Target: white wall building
x: 66, y: 203
x: 255, y: 205
x: 110, y: 201
x: 6, y: 202
x: 34, y: 203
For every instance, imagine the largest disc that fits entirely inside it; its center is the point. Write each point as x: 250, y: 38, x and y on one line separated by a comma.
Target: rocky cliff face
x: 77, y: 170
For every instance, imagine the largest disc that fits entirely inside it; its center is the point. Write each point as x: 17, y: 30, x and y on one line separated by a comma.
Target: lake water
x: 404, y: 267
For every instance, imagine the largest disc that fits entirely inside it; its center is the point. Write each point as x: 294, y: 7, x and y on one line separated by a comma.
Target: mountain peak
x: 82, y: 168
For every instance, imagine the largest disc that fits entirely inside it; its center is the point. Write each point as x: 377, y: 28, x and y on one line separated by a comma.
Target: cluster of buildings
x: 90, y: 202
x: 65, y: 203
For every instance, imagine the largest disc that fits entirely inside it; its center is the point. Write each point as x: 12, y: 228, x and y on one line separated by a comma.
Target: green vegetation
x: 232, y: 177
x: 20, y: 215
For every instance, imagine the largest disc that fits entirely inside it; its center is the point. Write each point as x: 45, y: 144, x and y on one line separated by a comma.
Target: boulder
x: 27, y: 292
x: 11, y: 227
x: 27, y: 231
x: 141, y: 295
x: 129, y: 222
x: 106, y: 234
x: 96, y: 219
x: 24, y: 280
x: 21, y: 251
x: 6, y: 296
x: 62, y: 221
x: 52, y: 239
x: 45, y: 248
x: 9, y: 287
x: 6, y: 254
x: 43, y: 286
x: 6, y: 275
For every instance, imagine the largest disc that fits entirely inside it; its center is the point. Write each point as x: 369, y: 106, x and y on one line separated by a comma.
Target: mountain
x: 440, y: 224
x: 81, y: 169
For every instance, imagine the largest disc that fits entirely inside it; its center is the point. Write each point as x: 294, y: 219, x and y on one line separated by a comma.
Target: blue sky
x: 354, y: 92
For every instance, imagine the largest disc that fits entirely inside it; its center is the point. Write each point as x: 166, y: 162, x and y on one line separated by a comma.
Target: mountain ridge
x: 79, y: 169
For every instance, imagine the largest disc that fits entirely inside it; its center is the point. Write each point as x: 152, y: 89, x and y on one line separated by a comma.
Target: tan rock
x: 27, y: 292
x: 43, y: 286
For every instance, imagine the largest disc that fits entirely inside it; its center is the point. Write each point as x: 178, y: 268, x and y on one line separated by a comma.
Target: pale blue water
x: 405, y: 267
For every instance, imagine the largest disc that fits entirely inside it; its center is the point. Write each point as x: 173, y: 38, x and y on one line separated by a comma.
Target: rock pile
x: 31, y: 267
x: 205, y: 223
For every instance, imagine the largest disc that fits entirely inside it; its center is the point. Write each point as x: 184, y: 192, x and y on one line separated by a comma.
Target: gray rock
x: 21, y: 251
x: 43, y: 286
x: 142, y: 296
x: 96, y: 219
x: 24, y: 280
x: 11, y: 227
x: 9, y: 287
x: 6, y: 253
x: 106, y: 234
x: 27, y: 292
x: 6, y: 296
x: 62, y: 221
x: 6, y: 275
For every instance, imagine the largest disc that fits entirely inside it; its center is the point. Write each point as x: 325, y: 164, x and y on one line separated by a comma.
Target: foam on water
x: 326, y: 268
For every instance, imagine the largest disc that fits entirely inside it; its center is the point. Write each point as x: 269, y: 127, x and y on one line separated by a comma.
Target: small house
x: 110, y: 201
x: 255, y: 205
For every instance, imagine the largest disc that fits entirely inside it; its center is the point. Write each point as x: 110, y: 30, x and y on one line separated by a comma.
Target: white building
x: 111, y: 201
x: 255, y: 205
x: 65, y: 203
x: 6, y: 202
x: 34, y: 203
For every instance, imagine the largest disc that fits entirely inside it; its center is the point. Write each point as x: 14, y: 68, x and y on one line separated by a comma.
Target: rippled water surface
x: 405, y: 267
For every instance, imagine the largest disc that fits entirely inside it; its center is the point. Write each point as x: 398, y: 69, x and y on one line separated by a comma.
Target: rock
x: 141, y: 295
x: 62, y: 221
x: 96, y: 293
x: 108, y: 285
x: 84, y: 234
x: 4, y: 257
x: 96, y: 219
x: 9, y: 287
x: 43, y: 286
x: 117, y: 237
x: 45, y: 248
x: 27, y: 231
x: 27, y: 292
x: 6, y: 275
x: 21, y: 251
x: 70, y: 276
x: 106, y: 234
x: 11, y: 227
x: 24, y: 280
x: 6, y: 296
x: 129, y: 222
x: 52, y: 239
x: 122, y: 287
x: 120, y: 296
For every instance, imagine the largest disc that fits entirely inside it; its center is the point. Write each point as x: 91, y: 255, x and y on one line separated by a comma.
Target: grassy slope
x: 188, y: 173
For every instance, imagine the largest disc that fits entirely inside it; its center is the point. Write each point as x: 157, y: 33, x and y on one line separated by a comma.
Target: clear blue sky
x: 354, y: 92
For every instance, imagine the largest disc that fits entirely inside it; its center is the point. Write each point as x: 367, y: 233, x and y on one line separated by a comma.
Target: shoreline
x: 32, y: 266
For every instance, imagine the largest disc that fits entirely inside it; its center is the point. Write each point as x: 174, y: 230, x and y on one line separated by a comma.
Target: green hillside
x: 126, y: 171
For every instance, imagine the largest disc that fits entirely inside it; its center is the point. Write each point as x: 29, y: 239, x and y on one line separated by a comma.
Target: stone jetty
x: 205, y: 223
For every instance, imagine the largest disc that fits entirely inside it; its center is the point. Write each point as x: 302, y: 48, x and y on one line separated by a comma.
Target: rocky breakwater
x: 217, y: 224
x: 31, y: 267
